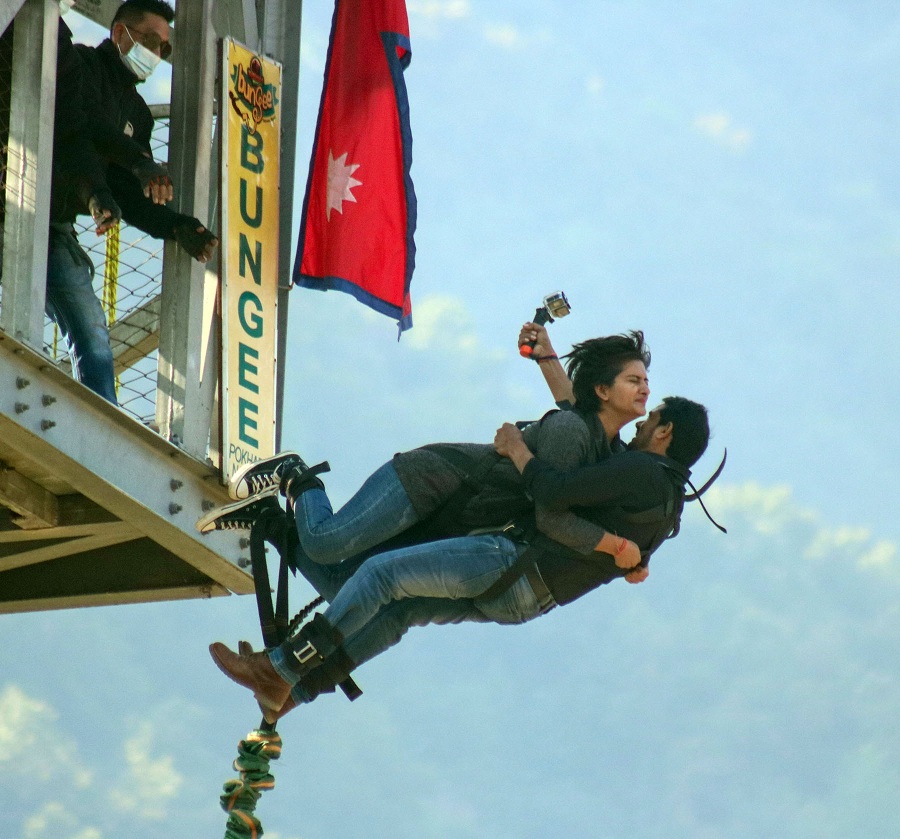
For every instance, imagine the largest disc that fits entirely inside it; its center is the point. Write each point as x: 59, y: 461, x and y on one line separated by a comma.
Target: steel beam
x: 29, y: 165
x: 54, y: 423
x: 102, y: 536
x: 34, y: 506
x: 188, y: 356
x: 238, y: 19
x: 8, y: 10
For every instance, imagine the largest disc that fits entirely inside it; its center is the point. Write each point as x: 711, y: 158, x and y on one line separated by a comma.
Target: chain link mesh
x: 6, y: 47
x: 128, y: 274
x: 128, y: 279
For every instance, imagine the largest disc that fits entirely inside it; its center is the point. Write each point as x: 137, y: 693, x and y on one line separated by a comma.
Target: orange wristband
x: 621, y: 547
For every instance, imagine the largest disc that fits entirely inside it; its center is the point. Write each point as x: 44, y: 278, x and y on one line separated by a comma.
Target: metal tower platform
x: 96, y: 507
x: 98, y: 503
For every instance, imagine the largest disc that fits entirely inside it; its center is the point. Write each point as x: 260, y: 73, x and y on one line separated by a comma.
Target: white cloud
x: 855, y: 544
x: 595, y: 84
x: 444, y: 322
x: 440, y: 9
x: 508, y: 36
x: 426, y: 17
x: 503, y: 35
x: 55, y: 821
x: 720, y: 128
x: 772, y: 511
x: 769, y: 509
x: 880, y: 555
x: 17, y: 710
x: 151, y: 783
x: 29, y: 736
x: 842, y: 538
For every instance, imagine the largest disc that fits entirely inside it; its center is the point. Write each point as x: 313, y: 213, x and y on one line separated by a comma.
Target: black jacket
x: 638, y: 495
x: 99, y: 102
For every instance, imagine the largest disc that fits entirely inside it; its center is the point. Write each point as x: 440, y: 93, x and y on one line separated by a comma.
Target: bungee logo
x: 251, y: 97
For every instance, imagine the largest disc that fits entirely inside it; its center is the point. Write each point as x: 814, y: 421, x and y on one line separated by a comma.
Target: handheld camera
x: 555, y: 306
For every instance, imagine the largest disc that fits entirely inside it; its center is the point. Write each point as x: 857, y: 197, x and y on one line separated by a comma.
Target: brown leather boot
x: 245, y: 648
x: 256, y: 672
x: 274, y: 716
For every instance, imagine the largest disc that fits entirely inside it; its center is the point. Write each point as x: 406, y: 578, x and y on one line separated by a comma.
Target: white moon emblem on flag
x: 340, y: 183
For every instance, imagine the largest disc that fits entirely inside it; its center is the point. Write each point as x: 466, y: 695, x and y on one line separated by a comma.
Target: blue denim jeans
x: 437, y: 582
x: 71, y: 302
x: 379, y: 510
x: 327, y: 580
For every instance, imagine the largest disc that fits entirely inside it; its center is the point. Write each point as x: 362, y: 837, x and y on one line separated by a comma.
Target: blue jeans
x: 327, y: 580
x: 379, y: 510
x: 71, y: 302
x: 438, y: 582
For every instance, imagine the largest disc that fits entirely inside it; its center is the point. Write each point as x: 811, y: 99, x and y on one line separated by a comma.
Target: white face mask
x: 141, y: 61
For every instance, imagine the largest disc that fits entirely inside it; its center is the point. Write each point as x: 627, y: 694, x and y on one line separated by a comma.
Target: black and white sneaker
x: 241, y: 514
x: 268, y: 472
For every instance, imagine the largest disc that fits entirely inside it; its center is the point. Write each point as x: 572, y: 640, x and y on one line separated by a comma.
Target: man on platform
x: 103, y: 167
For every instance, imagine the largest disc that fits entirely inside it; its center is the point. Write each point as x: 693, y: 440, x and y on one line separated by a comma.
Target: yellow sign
x: 250, y: 115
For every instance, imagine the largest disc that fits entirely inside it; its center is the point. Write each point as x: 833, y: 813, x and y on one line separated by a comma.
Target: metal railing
x: 128, y: 273
x: 128, y: 267
x: 164, y: 326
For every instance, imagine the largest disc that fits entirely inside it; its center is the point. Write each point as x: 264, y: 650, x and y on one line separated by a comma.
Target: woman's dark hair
x: 690, y: 429
x: 133, y: 11
x: 598, y: 361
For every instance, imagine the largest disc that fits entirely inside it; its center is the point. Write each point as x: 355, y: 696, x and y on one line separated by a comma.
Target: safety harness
x: 475, y: 480
x: 277, y: 527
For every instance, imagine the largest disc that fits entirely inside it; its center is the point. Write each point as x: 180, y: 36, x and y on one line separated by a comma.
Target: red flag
x: 359, y: 214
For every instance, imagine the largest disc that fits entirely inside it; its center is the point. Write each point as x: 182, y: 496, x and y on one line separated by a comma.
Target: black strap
x: 273, y: 620
x: 509, y: 577
x: 695, y: 496
x: 302, y: 478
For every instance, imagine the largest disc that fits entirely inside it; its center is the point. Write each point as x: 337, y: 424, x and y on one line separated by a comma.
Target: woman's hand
x: 625, y: 552
x: 537, y: 333
x: 627, y: 555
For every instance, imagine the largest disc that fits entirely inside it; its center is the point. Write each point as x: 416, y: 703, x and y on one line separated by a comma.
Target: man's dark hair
x: 132, y: 12
x: 598, y: 361
x: 690, y: 429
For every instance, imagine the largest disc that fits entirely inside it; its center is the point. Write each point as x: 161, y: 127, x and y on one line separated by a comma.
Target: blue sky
x: 722, y: 175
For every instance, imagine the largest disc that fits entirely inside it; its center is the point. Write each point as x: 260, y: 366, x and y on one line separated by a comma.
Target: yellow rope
x: 111, y: 274
x: 111, y: 279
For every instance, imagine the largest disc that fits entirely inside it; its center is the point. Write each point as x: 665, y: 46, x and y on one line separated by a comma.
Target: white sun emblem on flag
x: 340, y: 183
